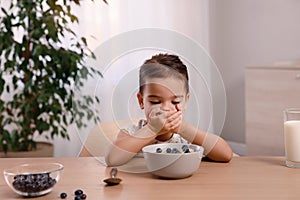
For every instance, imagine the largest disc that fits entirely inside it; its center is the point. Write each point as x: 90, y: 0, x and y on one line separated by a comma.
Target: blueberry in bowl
x: 35, y: 179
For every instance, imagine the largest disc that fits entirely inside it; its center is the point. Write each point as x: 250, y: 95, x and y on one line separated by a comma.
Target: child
x: 163, y: 95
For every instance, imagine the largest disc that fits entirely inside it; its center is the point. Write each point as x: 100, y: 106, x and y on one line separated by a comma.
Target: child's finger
x: 175, y: 118
x: 175, y: 115
x: 178, y: 107
x: 168, y: 114
x: 176, y: 123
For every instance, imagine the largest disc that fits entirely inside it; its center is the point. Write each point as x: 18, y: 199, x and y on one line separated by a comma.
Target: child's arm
x: 215, y: 147
x: 126, y: 146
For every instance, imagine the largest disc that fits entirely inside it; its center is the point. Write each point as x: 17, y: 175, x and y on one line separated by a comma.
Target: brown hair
x: 163, y: 66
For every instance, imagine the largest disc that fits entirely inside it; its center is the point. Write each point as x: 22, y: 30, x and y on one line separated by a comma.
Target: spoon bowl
x: 113, y: 180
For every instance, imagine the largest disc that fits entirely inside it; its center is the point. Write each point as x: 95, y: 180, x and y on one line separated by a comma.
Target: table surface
x: 242, y: 178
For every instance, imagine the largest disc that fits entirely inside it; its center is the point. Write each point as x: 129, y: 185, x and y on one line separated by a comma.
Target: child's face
x: 163, y: 93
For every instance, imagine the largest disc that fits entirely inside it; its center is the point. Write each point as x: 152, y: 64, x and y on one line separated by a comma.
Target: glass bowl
x: 34, y: 179
x: 173, y: 160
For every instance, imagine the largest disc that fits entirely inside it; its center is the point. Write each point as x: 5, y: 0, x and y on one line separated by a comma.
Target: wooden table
x: 242, y: 178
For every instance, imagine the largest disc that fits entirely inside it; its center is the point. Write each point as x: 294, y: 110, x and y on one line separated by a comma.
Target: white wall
x: 245, y: 33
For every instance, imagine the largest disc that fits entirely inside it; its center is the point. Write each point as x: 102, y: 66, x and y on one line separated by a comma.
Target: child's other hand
x: 162, y: 122
x: 157, y: 119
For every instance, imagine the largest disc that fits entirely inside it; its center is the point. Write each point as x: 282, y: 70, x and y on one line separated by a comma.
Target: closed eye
x: 155, y: 102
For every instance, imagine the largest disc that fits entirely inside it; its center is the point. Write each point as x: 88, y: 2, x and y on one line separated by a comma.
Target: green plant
x: 43, y: 71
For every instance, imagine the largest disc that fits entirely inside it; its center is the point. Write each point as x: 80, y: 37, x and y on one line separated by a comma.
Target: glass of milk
x: 292, y: 137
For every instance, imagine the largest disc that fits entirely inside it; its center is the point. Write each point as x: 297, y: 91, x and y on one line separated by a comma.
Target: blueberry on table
x: 82, y: 196
x: 158, y: 150
x: 78, y: 192
x: 63, y: 195
x: 77, y: 198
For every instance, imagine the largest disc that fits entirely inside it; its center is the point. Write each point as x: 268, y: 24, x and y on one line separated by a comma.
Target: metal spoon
x: 113, y: 180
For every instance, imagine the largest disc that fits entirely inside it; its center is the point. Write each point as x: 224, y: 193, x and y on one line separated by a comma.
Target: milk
x: 292, y: 140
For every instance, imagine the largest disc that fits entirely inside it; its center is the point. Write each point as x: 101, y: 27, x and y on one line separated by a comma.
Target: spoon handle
x: 113, y: 172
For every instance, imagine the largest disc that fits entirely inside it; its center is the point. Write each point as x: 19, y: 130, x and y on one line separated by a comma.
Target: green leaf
x: 74, y: 18
x: 7, y: 121
x: 7, y: 89
x: 97, y: 99
x: 84, y: 40
x: 2, y: 83
x: 4, y: 11
x: 58, y: 8
x: 43, y: 126
x: 84, y: 72
x: 65, y: 119
x: 77, y: 2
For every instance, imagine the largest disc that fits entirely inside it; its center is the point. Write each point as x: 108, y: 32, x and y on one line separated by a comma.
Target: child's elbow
x: 116, y: 159
x: 226, y: 154
x: 227, y: 157
x: 221, y: 158
x: 111, y: 161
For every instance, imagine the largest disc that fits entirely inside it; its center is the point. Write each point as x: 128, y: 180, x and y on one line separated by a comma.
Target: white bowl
x: 172, y: 165
x: 33, y: 180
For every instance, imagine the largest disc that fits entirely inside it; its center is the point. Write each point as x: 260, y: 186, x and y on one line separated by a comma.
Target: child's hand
x: 176, y: 123
x: 157, y: 120
x: 162, y: 122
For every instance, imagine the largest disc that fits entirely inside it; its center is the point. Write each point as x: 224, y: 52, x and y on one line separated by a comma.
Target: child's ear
x: 141, y: 100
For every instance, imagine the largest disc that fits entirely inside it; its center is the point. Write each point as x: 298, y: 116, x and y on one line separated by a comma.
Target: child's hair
x: 163, y: 66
